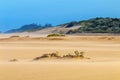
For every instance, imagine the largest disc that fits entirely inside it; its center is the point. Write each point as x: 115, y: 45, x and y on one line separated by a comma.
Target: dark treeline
x: 97, y: 25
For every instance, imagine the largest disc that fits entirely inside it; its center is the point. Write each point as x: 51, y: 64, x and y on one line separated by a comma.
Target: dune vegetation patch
x: 14, y: 36
x: 55, y: 35
x: 76, y: 55
x: 55, y: 55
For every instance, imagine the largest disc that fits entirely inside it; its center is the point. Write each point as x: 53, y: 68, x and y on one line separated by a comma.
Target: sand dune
x: 104, y: 52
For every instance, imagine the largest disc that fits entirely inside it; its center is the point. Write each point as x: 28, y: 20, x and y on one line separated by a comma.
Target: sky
x: 15, y: 13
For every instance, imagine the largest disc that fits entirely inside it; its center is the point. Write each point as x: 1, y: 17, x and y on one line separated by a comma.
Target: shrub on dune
x: 55, y: 55
x: 40, y: 57
x: 56, y: 35
x: 52, y: 55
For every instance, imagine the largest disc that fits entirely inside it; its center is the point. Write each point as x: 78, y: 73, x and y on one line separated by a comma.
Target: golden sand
x: 104, y: 64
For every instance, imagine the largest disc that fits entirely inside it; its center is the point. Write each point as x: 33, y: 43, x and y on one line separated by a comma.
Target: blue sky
x: 15, y: 13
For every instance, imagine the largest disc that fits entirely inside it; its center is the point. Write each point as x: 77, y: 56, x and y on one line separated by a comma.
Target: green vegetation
x: 98, y: 25
x: 95, y: 25
x: 56, y: 35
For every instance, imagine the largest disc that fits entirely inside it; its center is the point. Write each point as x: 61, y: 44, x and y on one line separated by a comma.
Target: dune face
x: 17, y: 53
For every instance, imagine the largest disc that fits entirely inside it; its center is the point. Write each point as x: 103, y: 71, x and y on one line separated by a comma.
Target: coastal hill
x: 94, y: 25
x: 28, y: 28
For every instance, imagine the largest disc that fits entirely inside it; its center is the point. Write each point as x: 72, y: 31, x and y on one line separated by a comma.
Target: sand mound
x: 66, y: 38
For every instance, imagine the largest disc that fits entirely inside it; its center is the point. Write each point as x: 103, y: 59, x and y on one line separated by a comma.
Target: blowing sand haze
x: 17, y: 53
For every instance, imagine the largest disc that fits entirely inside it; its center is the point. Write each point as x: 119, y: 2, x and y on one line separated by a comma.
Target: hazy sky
x: 15, y: 13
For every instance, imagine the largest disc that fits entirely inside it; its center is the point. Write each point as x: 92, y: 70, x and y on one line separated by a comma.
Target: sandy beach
x: 103, y: 51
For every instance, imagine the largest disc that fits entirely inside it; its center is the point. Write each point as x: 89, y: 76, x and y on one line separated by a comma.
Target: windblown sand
x: 104, y: 64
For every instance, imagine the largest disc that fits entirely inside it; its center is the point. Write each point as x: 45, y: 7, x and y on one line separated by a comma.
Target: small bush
x: 14, y: 36
x: 76, y: 54
x: 55, y: 35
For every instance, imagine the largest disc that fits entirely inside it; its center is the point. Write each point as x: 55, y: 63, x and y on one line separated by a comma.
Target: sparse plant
x: 14, y: 36
x: 56, y: 35
x: 47, y: 56
x: 44, y: 56
x: 36, y: 58
x: 68, y: 56
x: 13, y: 60
x: 55, y: 55
x: 82, y: 54
x: 79, y: 54
x: 41, y: 57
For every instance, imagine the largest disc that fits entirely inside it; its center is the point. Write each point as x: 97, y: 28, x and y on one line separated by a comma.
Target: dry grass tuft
x: 77, y: 54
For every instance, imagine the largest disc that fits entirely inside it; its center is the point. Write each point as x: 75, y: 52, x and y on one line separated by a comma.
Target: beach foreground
x: 103, y: 51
